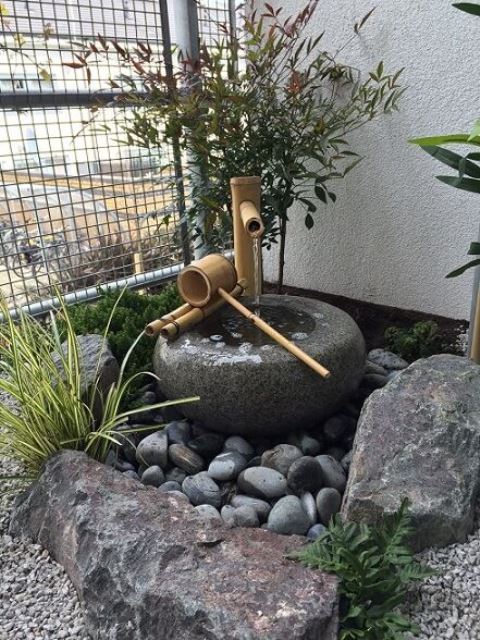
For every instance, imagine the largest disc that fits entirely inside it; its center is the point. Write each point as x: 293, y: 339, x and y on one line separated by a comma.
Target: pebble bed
x: 290, y: 486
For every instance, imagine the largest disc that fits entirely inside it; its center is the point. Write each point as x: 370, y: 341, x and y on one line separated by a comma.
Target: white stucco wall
x: 395, y: 231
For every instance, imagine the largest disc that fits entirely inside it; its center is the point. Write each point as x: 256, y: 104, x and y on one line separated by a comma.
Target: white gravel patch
x: 448, y: 605
x: 37, y: 599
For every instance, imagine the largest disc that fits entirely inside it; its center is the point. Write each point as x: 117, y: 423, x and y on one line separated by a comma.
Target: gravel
x: 37, y: 600
x: 447, y: 606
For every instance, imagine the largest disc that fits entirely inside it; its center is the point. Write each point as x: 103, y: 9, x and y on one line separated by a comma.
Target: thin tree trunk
x: 281, y: 257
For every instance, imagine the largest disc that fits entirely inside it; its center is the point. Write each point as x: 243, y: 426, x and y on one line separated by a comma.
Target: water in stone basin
x: 234, y: 329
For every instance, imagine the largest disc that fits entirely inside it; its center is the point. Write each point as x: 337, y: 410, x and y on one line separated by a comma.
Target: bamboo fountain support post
x: 247, y: 227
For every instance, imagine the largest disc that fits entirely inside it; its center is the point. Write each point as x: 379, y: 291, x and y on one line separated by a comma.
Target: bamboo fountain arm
x: 274, y: 334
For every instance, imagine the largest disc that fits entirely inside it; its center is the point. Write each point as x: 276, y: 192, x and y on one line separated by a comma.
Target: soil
x: 373, y: 319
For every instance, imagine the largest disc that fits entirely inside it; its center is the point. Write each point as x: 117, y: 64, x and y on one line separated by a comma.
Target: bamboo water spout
x: 247, y: 226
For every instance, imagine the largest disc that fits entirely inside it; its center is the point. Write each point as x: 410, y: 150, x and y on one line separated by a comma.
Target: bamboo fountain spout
x: 247, y: 228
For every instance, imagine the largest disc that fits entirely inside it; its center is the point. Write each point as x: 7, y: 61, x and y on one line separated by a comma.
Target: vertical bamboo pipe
x: 475, y: 340
x: 275, y: 335
x: 244, y: 189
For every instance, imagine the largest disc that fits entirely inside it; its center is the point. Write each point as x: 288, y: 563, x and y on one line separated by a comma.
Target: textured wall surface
x: 395, y: 231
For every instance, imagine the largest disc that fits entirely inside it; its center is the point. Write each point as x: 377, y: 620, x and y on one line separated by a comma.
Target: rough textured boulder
x: 419, y: 437
x: 248, y: 384
x: 148, y: 567
x: 96, y: 359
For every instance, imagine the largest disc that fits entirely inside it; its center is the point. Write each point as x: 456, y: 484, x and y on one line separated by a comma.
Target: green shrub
x: 52, y: 409
x: 132, y: 312
x: 375, y: 568
x: 420, y: 341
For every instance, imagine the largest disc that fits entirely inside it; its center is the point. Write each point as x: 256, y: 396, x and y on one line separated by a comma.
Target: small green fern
x: 374, y: 567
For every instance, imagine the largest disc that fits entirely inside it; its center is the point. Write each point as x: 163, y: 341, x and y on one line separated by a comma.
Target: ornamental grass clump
x: 46, y: 406
x: 375, y: 568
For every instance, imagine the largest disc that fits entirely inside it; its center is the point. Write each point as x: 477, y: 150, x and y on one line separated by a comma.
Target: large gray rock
x: 148, y: 567
x: 419, y: 438
x: 250, y: 385
x: 98, y: 365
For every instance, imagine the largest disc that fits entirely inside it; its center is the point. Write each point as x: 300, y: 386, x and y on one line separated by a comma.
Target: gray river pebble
x: 246, y: 517
x: 153, y: 476
x: 262, y: 482
x: 227, y: 466
x: 201, y: 489
x: 260, y: 506
x: 333, y: 473
x: 239, y: 444
x: 288, y: 517
x: 281, y: 457
x: 153, y: 450
x: 328, y: 503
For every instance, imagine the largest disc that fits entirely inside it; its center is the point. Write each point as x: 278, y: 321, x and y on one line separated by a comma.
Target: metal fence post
x: 177, y: 152
x: 184, y: 26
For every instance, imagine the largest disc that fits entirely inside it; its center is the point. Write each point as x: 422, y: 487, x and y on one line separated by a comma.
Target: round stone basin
x: 250, y: 385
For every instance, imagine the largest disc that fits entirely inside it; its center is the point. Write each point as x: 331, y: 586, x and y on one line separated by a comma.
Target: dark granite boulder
x: 148, y: 567
x: 419, y: 438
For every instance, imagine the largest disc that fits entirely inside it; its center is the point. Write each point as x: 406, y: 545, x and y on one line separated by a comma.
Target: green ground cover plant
x: 375, y: 568
x: 51, y: 409
x: 422, y: 340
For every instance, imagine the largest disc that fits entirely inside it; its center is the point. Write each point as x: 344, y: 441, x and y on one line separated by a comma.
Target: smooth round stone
x: 207, y: 445
x: 371, y: 367
x: 308, y: 444
x: 281, y: 457
x: 253, y: 387
x: 288, y: 517
x: 131, y: 474
x: 176, y: 475
x: 328, y: 504
x: 227, y: 466
x: 335, y: 452
x: 208, y: 512
x: 227, y: 515
x: 333, y: 473
x: 305, y: 474
x: 308, y: 503
x: 240, y: 445
x: 178, y: 432
x: 170, y: 485
x: 183, y: 457
x: 262, y: 482
x: 201, y: 489
x: 245, y: 517
x: 316, y: 531
x: 386, y: 359
x: 153, y: 476
x: 153, y: 450
x: 334, y: 428
x: 261, y: 507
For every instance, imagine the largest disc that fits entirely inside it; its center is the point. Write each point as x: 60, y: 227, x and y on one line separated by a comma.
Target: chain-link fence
x: 78, y: 207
